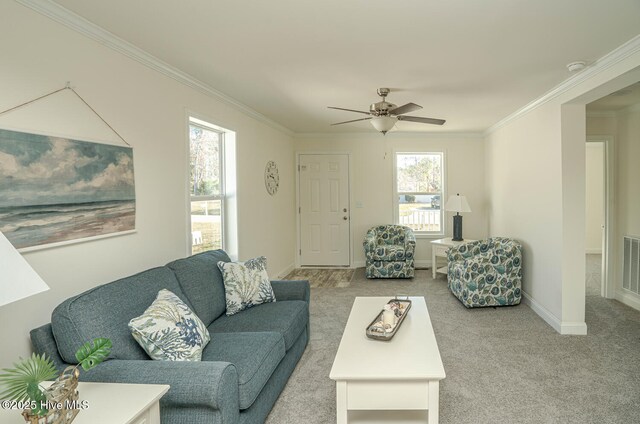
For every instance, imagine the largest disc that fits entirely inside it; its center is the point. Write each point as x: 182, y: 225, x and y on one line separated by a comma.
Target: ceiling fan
x: 384, y: 115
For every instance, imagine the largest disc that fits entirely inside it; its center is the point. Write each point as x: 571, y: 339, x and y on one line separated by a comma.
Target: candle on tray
x: 388, y: 316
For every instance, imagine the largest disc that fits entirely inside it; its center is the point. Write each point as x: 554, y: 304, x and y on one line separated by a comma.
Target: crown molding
x: 627, y: 49
x: 400, y: 135
x: 85, y: 27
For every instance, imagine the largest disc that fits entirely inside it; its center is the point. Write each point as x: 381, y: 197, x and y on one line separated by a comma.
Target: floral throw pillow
x: 246, y: 284
x: 169, y: 330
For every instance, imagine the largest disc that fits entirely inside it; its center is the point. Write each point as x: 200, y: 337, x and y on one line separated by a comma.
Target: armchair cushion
x: 389, y: 253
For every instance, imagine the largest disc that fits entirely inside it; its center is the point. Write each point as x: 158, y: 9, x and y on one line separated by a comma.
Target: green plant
x: 22, y: 383
x: 91, y: 354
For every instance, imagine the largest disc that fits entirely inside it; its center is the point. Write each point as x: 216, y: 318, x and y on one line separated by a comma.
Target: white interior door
x: 324, y: 209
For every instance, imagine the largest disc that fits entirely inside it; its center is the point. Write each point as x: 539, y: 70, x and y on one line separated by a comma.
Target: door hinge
x: 299, y: 209
x: 298, y: 168
x: 300, y: 252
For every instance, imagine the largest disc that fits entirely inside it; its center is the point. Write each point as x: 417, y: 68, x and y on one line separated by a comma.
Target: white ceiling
x: 471, y: 62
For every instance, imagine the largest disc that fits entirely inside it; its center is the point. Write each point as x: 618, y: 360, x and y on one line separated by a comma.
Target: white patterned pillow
x: 246, y: 284
x: 169, y: 330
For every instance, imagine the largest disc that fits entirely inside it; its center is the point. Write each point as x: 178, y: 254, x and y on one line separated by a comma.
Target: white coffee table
x: 110, y: 403
x: 400, y: 375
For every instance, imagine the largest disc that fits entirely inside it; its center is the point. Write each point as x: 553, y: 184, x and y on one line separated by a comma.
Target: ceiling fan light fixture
x: 383, y: 123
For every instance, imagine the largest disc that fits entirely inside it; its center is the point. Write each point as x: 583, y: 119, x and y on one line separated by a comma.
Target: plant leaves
x: 93, y: 353
x: 38, y: 399
x: 31, y: 371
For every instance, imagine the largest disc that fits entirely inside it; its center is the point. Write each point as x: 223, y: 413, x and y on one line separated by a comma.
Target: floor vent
x: 631, y: 273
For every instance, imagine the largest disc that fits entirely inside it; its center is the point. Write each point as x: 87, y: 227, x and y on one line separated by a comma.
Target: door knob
x: 345, y: 218
x: 344, y: 210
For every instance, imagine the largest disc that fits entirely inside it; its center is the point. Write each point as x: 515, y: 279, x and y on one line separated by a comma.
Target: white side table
x: 110, y: 403
x: 439, y: 249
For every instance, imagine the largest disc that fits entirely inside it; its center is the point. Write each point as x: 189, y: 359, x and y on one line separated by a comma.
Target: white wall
x: 149, y: 110
x: 372, y: 179
x: 535, y: 179
x: 627, y: 193
x: 594, y: 191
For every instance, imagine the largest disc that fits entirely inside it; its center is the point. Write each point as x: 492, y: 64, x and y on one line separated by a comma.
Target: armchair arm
x: 209, y: 384
x: 370, y: 242
x: 462, y: 251
x: 409, y: 242
x: 291, y: 290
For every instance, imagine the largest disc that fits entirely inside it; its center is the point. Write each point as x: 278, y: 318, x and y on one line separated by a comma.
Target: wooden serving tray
x: 377, y: 332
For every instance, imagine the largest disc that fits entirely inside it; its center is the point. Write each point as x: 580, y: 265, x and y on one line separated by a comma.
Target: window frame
x: 396, y: 193
x: 193, y: 121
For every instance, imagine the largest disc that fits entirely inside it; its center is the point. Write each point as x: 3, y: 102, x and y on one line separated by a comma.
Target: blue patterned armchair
x: 486, y: 272
x: 389, y: 251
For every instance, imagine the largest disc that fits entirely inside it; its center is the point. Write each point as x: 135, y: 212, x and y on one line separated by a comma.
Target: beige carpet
x: 504, y: 365
x: 323, y: 277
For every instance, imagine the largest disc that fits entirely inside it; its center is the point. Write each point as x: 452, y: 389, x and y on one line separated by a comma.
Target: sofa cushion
x: 201, y: 282
x: 389, y: 253
x: 255, y: 356
x: 288, y: 318
x: 169, y: 330
x: 105, y: 311
x: 246, y: 284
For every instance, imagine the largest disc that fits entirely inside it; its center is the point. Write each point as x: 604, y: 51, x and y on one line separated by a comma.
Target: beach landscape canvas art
x: 55, y: 190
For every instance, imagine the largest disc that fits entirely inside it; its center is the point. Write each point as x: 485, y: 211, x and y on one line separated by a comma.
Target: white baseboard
x: 593, y: 251
x: 423, y: 263
x: 576, y: 328
x: 359, y: 264
x: 286, y: 271
x: 630, y: 299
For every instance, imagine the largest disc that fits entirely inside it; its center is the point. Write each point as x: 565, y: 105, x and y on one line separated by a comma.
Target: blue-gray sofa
x: 244, y: 367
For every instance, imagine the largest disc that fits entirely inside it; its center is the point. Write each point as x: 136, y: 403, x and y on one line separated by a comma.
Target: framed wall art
x: 56, y: 190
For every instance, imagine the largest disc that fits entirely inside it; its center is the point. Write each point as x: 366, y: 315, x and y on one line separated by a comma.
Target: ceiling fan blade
x: 349, y: 110
x: 409, y: 107
x: 422, y: 120
x: 353, y: 120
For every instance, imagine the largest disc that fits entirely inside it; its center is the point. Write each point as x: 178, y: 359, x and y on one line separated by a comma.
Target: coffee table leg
x: 434, y: 401
x: 341, y: 402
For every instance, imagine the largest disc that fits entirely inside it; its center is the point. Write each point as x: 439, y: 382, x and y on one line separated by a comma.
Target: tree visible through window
x: 420, y: 191
x: 206, y: 187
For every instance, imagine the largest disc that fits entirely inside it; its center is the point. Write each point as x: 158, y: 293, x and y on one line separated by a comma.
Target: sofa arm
x: 291, y: 290
x: 209, y: 384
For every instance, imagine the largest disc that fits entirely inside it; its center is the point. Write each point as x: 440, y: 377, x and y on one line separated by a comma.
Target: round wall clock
x: 271, y: 177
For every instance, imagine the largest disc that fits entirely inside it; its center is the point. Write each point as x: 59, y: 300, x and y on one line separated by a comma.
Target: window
x: 419, y: 189
x: 206, y: 186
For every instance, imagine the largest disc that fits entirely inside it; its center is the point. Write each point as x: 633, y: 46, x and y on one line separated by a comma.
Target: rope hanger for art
x: 67, y: 87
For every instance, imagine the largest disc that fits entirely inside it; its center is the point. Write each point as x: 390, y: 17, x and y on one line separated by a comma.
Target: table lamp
x: 17, y: 279
x: 457, y: 204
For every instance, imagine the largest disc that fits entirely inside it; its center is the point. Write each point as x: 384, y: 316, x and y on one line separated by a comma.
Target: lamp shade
x: 383, y: 123
x: 17, y: 279
x: 457, y: 203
